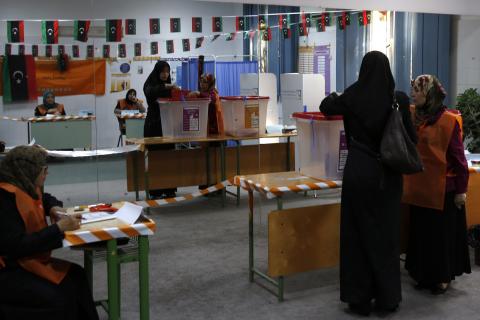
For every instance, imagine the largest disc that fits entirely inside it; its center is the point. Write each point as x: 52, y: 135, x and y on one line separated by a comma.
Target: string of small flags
x: 116, y: 29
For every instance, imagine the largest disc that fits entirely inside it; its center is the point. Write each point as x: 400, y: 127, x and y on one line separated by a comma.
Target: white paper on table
x: 97, y: 216
x: 129, y: 213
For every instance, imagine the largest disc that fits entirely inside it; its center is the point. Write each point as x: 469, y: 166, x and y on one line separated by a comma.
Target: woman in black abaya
x: 371, y: 192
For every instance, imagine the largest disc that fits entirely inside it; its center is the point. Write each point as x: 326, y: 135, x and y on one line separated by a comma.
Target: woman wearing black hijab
x: 371, y: 192
x: 158, y: 85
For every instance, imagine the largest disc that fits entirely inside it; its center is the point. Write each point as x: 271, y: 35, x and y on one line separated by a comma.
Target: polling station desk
x: 109, y: 231
x: 134, y: 124
x: 299, y: 239
x: 190, y: 167
x: 61, y: 132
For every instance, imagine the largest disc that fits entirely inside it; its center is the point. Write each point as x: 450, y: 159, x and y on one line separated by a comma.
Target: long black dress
x: 20, y: 289
x: 371, y: 192
x: 154, y: 88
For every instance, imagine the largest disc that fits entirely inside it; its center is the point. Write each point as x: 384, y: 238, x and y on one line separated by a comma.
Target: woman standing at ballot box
x: 33, y: 285
x: 437, y: 250
x: 131, y: 102
x: 371, y: 192
x: 49, y: 106
x: 158, y: 85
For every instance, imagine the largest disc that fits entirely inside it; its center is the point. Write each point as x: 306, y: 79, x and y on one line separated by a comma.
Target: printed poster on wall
x: 120, y: 75
x: 191, y: 119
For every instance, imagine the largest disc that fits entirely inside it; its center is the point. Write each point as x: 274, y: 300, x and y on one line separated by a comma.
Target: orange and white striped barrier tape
x: 161, y: 202
x: 75, y: 238
x: 274, y: 192
x: 49, y: 119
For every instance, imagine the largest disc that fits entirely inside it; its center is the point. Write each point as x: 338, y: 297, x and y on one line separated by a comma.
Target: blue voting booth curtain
x: 227, y: 74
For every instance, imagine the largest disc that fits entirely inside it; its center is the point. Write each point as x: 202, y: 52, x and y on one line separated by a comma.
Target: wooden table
x: 147, y: 143
x: 109, y: 231
x: 300, y: 239
x: 61, y: 132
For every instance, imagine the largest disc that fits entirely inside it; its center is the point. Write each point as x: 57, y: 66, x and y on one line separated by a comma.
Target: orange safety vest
x: 32, y: 213
x: 427, y: 188
x: 125, y: 106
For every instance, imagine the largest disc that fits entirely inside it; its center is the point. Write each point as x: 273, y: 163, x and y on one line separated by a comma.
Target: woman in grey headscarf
x: 29, y: 277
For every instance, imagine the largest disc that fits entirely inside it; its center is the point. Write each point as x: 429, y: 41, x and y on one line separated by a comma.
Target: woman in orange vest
x: 30, y: 279
x: 49, y: 106
x: 131, y: 102
x: 437, y: 250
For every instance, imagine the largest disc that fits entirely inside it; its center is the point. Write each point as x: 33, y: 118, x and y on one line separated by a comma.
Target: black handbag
x: 397, y: 150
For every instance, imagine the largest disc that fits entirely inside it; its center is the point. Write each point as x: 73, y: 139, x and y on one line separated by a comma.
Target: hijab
x: 434, y: 95
x: 128, y: 94
x: 22, y: 166
x: 154, y: 80
x: 210, y: 80
x: 52, y: 105
x: 370, y: 98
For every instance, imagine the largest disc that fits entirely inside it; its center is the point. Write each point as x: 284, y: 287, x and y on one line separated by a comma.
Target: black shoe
x: 363, y: 309
x: 439, y: 289
x: 421, y: 286
x: 386, y: 309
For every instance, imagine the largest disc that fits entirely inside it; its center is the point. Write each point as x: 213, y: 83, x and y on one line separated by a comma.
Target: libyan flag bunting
x: 19, y: 83
x: 80, y: 30
x: 50, y: 32
x: 113, y: 29
x: 15, y: 31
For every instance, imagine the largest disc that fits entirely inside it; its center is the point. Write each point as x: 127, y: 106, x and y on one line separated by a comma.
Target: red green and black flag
x: 90, y: 51
x: 15, y: 31
x: 19, y: 83
x: 241, y: 23
x: 113, y: 30
x: 8, y: 49
x: 364, y: 17
x: 215, y: 37
x: 76, y: 51
x: 50, y: 32
x: 197, y: 24
x: 106, y: 51
x: 231, y: 36
x: 267, y: 35
x: 186, y: 45
x: 48, y: 51
x: 287, y: 33
x: 138, y: 49
x: 262, y: 22
x: 199, y: 42
x: 344, y: 20
x: 21, y: 49
x: 323, y: 21
x: 61, y: 49
x: 307, y: 18
x: 122, y: 50
x: 175, y: 25
x: 170, y: 47
x: 35, y: 50
x: 130, y: 26
x: 153, y: 48
x: 284, y: 21
x: 302, y: 26
x: 80, y: 30
x: 217, y: 24
x: 154, y: 25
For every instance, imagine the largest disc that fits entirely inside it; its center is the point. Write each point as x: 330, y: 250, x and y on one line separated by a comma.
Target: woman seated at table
x: 131, y: 102
x: 49, y: 106
x: 215, y: 110
x: 31, y: 281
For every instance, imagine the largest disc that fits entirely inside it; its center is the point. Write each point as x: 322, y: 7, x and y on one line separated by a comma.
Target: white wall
x: 15, y: 133
x: 466, y: 54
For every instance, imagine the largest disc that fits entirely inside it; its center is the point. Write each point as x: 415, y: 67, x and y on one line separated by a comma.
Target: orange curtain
x: 81, y: 77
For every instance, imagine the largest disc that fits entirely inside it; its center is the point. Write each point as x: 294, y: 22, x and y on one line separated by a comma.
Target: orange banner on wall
x: 81, y: 77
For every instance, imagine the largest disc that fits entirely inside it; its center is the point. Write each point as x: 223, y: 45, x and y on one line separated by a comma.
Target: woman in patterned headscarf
x: 29, y: 277
x: 49, y: 106
x: 437, y: 249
